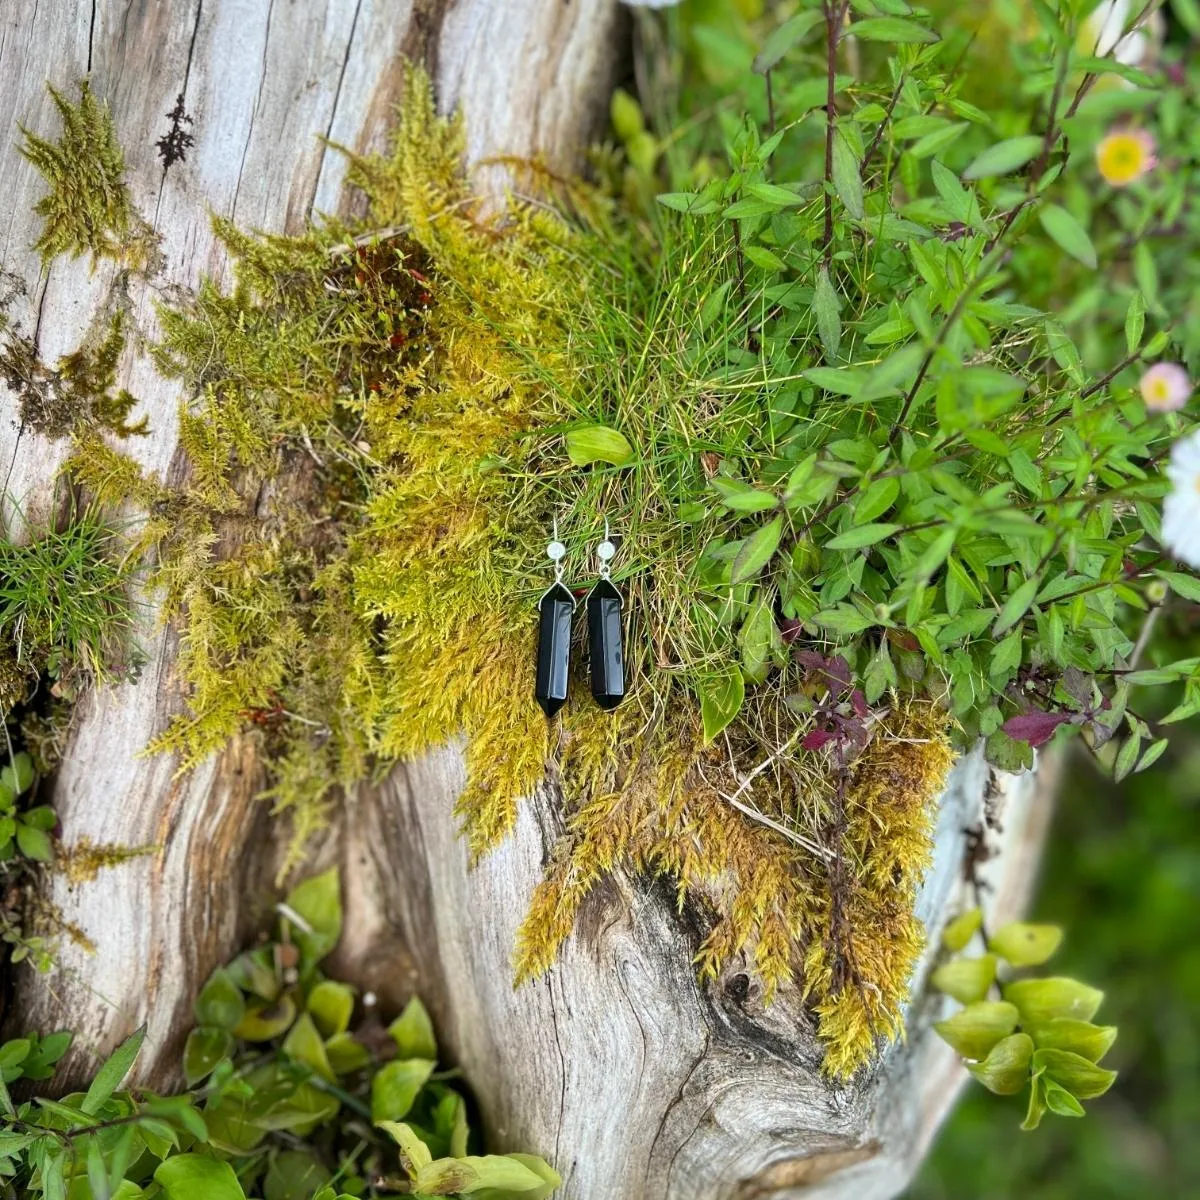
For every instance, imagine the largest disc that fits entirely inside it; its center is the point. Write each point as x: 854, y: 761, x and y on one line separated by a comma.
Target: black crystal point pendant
x: 554, y: 648
x: 604, y: 642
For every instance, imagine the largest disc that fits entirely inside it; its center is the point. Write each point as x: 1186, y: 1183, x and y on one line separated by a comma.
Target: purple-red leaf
x: 1036, y: 728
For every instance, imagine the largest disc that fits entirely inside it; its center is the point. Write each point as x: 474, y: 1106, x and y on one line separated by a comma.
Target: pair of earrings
x: 557, y: 607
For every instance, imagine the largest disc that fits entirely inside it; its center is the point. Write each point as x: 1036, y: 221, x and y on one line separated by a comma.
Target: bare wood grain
x: 634, y: 1079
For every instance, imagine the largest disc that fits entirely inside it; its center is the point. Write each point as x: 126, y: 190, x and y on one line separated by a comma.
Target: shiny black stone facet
x: 554, y: 648
x: 604, y: 641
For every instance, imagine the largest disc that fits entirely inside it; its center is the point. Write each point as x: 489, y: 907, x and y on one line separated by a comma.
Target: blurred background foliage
x: 1122, y: 869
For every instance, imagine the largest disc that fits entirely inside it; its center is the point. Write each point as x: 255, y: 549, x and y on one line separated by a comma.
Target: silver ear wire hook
x: 556, y: 552
x: 605, y: 552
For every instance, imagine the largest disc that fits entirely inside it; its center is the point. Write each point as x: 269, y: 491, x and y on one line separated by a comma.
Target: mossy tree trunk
x: 619, y: 1067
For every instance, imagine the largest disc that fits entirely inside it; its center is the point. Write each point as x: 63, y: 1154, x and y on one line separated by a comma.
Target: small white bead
x: 605, y: 551
x: 556, y: 551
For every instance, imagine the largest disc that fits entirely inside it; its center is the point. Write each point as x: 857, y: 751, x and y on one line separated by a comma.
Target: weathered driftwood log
x: 635, y: 1080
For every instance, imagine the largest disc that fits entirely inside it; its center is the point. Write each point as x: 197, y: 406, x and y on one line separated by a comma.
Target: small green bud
x: 1156, y: 591
x: 626, y: 116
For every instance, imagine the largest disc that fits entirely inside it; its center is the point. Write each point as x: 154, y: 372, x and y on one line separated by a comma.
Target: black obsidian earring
x: 604, y: 632
x: 557, y: 607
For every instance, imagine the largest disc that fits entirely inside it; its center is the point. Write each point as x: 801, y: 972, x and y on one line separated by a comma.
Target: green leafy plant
x: 26, y: 831
x: 1019, y: 1030
x: 289, y: 1096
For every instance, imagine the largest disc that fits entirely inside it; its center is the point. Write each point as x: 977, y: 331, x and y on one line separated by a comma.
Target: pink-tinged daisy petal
x: 1165, y: 387
x: 1124, y: 156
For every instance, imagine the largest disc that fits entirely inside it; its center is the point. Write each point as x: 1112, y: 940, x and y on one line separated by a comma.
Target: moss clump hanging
x: 384, y: 420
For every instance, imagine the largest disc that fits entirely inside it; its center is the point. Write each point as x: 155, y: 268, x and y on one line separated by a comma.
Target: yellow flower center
x: 1122, y: 158
x: 1158, y: 391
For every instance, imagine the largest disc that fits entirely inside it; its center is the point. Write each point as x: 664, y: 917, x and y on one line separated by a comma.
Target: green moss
x: 376, y: 451
x: 88, y: 208
x: 79, y: 392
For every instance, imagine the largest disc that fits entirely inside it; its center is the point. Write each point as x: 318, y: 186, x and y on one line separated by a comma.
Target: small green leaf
x: 471, y: 1175
x: 1005, y: 1071
x: 34, y: 843
x: 396, y: 1085
x: 721, y: 696
x: 1074, y: 1072
x: 974, y: 1030
x: 304, y: 1044
x: 740, y: 497
x: 1135, y: 322
x: 825, y: 309
x: 1004, y: 157
x: 113, y: 1072
x: 962, y: 929
x: 1016, y: 606
x: 781, y: 39
x: 220, y: 1002
x: 412, y: 1031
x: 412, y: 1149
x: 1041, y: 1000
x: 18, y: 774
x: 1037, y: 1106
x: 1059, y: 1101
x: 856, y: 538
x: 550, y: 1178
x: 197, y: 1177
x: 1025, y: 945
x: 205, y: 1048
x: 1080, y: 1037
x: 318, y: 903
x: 757, y: 550
x: 847, y: 177
x: 892, y: 29
x: 331, y: 1004
x: 598, y: 443
x: 265, y: 1021
x: 1068, y: 233
x: 966, y: 979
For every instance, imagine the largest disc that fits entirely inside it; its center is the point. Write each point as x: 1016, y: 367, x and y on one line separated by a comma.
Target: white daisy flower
x: 1181, y: 509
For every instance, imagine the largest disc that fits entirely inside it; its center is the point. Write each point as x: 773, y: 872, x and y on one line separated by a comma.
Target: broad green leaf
x: 412, y: 1031
x: 346, y: 1053
x: 263, y: 1022
x: 781, y: 39
x: 876, y: 499
x: 220, y: 1002
x: 318, y: 903
x: 825, y: 309
x: 773, y: 195
x: 856, y: 538
x: 892, y: 29
x: 598, y: 443
x: 757, y: 550
x: 962, y: 929
x: 966, y: 979
x: 34, y: 843
x: 195, y: 1177
x: 1068, y: 233
x: 1074, y: 1072
x: 1004, y: 157
x: 205, y: 1048
x: 1041, y: 1000
x: 412, y: 1148
x: 974, y: 1030
x: 18, y: 774
x: 847, y: 180
x: 1080, y: 1037
x: 396, y: 1085
x: 1005, y: 1071
x: 1025, y: 945
x: 331, y: 1004
x: 113, y: 1072
x: 304, y: 1044
x: 293, y: 1175
x: 550, y: 1178
x: 502, y: 1172
x: 721, y: 696
x: 937, y: 141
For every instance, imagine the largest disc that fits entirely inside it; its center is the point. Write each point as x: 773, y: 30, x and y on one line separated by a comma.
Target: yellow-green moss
x: 88, y: 208
x: 374, y: 437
